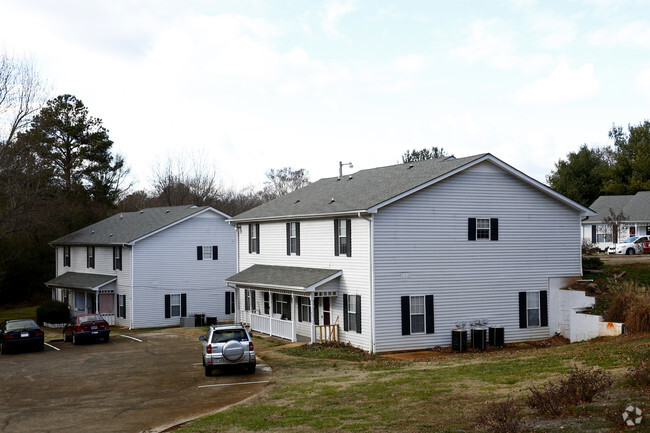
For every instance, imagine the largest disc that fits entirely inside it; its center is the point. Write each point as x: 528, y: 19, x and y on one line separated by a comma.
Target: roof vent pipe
x: 341, y: 164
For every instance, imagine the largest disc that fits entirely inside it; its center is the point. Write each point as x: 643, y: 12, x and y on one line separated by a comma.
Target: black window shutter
x: 253, y: 299
x: 119, y: 262
x: 336, y: 237
x: 297, y: 239
x: 543, y: 308
x: 250, y: 238
x: 114, y: 264
x: 316, y: 313
x: 428, y: 308
x: 247, y: 300
x: 494, y: 229
x: 299, y: 308
x: 228, y: 294
x: 523, y: 314
x: 199, y: 253
x: 348, y: 236
x: 168, y: 304
x: 288, y: 299
x: 593, y: 233
x: 215, y: 252
x: 358, y: 314
x: 346, y: 326
x: 406, y: 316
x: 257, y: 247
x: 124, y: 302
x: 471, y: 229
x: 183, y: 305
x: 288, y: 239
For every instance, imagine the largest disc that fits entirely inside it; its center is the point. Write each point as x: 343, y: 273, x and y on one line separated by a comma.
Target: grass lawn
x: 340, y: 390
x: 23, y: 312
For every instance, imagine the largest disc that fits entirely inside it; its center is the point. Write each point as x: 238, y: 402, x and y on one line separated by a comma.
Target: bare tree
x: 614, y: 221
x: 192, y: 180
x: 284, y: 181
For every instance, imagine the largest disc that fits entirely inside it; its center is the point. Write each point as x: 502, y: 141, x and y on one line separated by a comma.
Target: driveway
x: 140, y: 382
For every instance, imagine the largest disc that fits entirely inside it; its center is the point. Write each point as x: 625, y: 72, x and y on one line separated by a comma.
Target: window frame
x: 117, y: 258
x: 90, y: 256
x: 173, y: 305
x: 206, y: 253
x: 529, y: 309
x: 293, y: 237
x: 352, y: 313
x: 253, y: 238
x: 413, y: 314
x: 343, y: 237
x: 67, y: 254
x: 305, y: 309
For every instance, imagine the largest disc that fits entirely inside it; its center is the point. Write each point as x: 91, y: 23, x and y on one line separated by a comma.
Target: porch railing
x: 272, y: 326
x: 109, y: 317
x: 327, y: 333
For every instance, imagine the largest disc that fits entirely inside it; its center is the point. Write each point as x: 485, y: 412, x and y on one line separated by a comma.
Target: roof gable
x: 369, y: 190
x: 635, y: 208
x: 129, y: 227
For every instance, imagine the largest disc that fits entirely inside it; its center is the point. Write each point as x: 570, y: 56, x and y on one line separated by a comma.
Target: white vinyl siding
x: 316, y: 251
x: 166, y: 263
x: 417, y: 249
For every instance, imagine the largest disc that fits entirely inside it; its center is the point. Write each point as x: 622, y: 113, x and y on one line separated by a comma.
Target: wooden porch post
x: 237, y: 312
x: 313, y: 318
x: 96, y: 302
x: 270, y: 313
x: 294, y: 337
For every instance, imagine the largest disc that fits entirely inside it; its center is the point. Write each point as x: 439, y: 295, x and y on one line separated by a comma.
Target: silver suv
x: 227, y: 345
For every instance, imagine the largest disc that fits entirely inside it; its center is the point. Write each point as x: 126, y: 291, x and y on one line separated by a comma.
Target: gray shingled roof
x: 357, y: 192
x: 635, y: 207
x: 126, y: 227
x: 288, y: 277
x: 78, y: 280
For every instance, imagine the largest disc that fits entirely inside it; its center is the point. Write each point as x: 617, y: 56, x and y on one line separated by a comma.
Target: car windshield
x: 21, y: 324
x: 629, y: 240
x: 90, y: 318
x: 227, y: 335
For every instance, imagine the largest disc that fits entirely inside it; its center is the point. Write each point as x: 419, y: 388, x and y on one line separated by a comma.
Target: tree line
x: 58, y: 173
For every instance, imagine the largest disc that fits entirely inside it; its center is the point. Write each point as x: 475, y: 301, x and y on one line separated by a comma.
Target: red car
x: 86, y: 327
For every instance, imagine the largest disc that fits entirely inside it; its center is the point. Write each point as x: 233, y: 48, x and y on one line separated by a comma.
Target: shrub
x: 592, y: 263
x: 52, y: 312
x: 629, y: 303
x: 578, y: 386
x: 589, y: 248
x: 639, y: 375
x: 503, y: 417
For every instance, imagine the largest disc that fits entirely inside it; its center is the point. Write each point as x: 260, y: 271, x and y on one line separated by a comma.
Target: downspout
x: 132, y: 291
x: 371, y: 277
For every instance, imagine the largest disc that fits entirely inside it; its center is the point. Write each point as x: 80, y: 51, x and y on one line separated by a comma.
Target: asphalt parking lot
x: 140, y: 382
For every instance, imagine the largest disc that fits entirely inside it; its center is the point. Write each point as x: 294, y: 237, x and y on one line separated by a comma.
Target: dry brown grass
x: 629, y: 302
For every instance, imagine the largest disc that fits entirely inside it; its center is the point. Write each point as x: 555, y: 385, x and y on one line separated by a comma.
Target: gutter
x: 296, y: 216
x: 371, y: 277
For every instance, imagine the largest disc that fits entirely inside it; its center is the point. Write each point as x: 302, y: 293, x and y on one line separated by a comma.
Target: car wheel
x: 251, y: 367
x: 65, y: 337
x: 75, y: 339
x: 3, y: 348
x: 630, y: 252
x: 107, y: 338
x: 208, y: 371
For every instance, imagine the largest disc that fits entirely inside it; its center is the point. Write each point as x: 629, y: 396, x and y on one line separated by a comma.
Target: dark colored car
x: 21, y: 333
x: 86, y: 327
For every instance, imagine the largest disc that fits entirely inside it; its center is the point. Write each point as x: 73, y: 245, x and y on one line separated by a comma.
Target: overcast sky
x: 254, y: 85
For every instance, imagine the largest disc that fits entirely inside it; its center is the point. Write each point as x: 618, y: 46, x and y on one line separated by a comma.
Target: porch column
x: 313, y: 317
x: 237, y: 312
x: 96, y: 302
x: 270, y: 313
x: 294, y: 337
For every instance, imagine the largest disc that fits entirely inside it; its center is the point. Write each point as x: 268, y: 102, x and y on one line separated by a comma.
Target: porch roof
x: 291, y: 278
x: 80, y: 280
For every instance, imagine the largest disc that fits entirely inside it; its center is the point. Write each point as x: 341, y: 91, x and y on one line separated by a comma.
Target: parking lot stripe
x: 49, y: 345
x: 132, y: 338
x: 231, y: 384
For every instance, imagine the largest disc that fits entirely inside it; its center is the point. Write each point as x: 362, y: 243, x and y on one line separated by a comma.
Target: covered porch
x: 287, y: 302
x: 86, y: 293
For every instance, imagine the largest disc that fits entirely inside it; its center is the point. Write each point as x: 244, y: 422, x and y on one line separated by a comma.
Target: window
x: 417, y: 314
x: 121, y: 306
x: 79, y: 301
x: 342, y: 237
x: 253, y: 238
x: 90, y: 257
x: 267, y: 304
x: 249, y: 299
x: 293, y: 238
x: 533, y: 309
x: 304, y: 309
x: 632, y: 231
x: 117, y: 258
x: 230, y: 302
x: 66, y: 255
x: 175, y: 305
x: 352, y: 313
x: 207, y: 252
x: 603, y: 237
x: 483, y: 229
x: 282, y: 306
